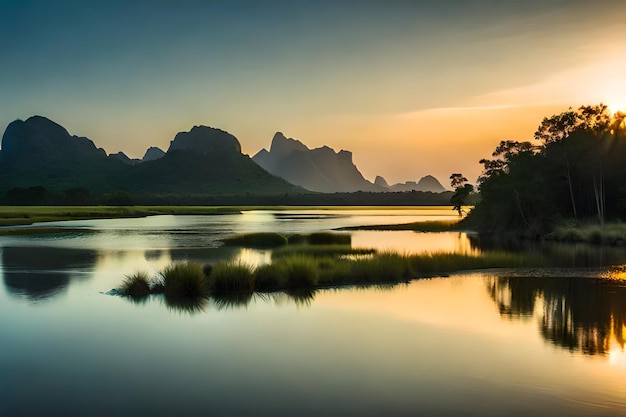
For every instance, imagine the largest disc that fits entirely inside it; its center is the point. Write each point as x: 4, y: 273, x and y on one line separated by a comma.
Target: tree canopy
x: 574, y: 168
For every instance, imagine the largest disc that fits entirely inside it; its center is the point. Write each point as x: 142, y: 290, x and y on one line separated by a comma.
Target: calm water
x: 486, y: 344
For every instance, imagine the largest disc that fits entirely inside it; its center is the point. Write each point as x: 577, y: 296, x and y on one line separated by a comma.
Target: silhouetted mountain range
x: 202, y: 161
x: 324, y: 170
x: 427, y: 183
x: 41, y: 163
x: 321, y: 169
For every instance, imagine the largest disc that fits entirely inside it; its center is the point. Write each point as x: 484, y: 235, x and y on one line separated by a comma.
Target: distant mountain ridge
x: 321, y: 169
x: 324, y: 170
x: 426, y: 184
x: 203, y: 161
x: 40, y: 152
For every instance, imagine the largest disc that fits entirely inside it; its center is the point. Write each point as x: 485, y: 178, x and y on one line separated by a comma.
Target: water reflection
x: 186, y: 305
x: 568, y: 255
x: 578, y: 314
x: 39, y: 273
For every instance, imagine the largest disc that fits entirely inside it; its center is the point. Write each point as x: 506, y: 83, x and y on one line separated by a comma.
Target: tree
x: 462, y: 191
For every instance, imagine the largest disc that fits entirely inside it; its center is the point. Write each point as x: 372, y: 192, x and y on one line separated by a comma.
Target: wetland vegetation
x: 312, y: 262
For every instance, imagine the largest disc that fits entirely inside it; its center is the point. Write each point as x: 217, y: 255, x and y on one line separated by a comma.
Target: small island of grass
x: 302, y: 268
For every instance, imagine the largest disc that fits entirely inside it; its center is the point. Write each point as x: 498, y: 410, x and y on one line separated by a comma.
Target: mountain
x: 427, y: 183
x: 203, y: 161
x: 39, y: 152
x: 321, y: 169
x: 206, y: 160
x: 381, y: 182
x: 38, y: 137
x: 152, y: 153
x: 121, y: 156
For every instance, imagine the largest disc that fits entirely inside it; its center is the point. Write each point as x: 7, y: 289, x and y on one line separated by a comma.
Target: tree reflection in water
x: 578, y: 314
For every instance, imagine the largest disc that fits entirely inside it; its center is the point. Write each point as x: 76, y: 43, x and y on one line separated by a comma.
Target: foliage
x: 576, y: 171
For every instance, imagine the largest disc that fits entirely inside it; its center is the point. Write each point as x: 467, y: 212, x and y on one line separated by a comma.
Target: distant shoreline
x: 20, y: 216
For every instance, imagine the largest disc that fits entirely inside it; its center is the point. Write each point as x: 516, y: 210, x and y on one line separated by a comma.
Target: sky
x: 410, y: 87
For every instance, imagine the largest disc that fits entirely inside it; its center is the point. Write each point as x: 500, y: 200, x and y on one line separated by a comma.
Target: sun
x: 616, y: 105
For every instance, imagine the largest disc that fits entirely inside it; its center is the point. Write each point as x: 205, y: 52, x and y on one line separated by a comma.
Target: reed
x: 184, y: 280
x: 257, y: 240
x: 320, y: 251
x: 136, y: 285
x: 298, y: 271
x: 268, y: 278
x: 232, y: 276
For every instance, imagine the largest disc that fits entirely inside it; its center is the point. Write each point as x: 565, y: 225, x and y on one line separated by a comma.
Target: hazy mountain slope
x: 320, y: 169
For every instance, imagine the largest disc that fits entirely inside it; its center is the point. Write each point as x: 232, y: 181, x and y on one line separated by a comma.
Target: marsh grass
x: 268, y: 277
x: 137, y: 285
x: 613, y: 234
x: 231, y: 284
x: 320, y: 251
x: 428, y: 226
x: 384, y: 267
x: 321, y: 238
x: 24, y: 215
x: 257, y: 240
x: 232, y: 276
x: 184, y: 280
x: 298, y: 271
x: 263, y: 240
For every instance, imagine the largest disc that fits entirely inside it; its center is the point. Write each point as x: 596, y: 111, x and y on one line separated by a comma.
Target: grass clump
x: 318, y: 251
x: 232, y: 276
x: 321, y: 238
x: 268, y: 277
x: 427, y: 226
x: 136, y: 285
x: 257, y: 240
x: 385, y: 267
x: 612, y: 234
x: 184, y: 280
x: 298, y: 271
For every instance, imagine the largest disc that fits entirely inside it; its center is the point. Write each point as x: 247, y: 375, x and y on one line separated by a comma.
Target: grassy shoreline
x: 26, y: 215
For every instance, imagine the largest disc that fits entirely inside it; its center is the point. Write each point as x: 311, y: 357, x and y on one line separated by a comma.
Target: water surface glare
x: 481, y: 344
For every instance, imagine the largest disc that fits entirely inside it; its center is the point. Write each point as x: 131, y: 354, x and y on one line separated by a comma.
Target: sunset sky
x: 410, y: 87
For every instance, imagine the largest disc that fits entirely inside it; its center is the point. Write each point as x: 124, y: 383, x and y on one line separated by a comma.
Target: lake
x: 488, y: 343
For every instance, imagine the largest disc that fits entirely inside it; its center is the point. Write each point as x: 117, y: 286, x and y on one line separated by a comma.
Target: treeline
x: 40, y: 196
x: 574, y: 169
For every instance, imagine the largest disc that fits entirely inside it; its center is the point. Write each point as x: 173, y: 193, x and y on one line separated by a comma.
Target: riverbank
x: 28, y: 215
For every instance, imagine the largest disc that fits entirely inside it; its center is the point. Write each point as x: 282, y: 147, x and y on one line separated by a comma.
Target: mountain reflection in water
x: 39, y: 273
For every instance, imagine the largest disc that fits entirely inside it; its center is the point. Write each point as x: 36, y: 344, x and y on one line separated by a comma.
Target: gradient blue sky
x: 410, y: 87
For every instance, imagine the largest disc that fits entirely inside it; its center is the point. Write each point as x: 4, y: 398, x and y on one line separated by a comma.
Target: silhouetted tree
x: 576, y: 171
x: 462, y: 191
